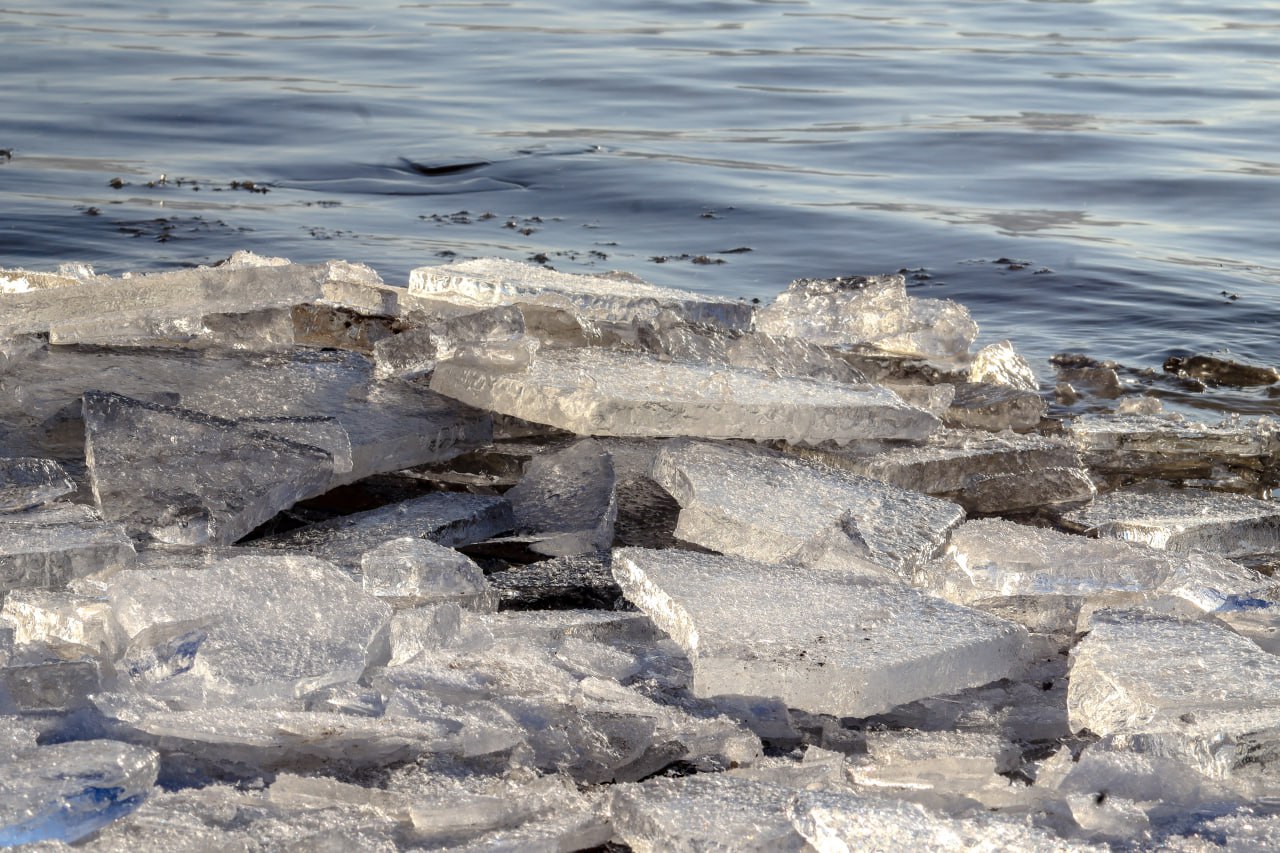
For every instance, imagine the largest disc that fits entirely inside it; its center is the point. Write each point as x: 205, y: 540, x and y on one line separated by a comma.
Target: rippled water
x: 1121, y: 152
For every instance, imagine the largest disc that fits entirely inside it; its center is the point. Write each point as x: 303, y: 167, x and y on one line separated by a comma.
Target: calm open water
x: 1122, y: 152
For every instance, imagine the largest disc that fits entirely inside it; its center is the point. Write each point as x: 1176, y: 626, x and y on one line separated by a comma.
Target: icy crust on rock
x: 50, y: 546
x: 993, y: 557
x: 823, y: 641
x: 183, y: 477
x: 869, y: 310
x: 67, y: 791
x: 981, y: 471
x: 568, y: 499
x: 446, y: 518
x: 1179, y: 520
x: 489, y: 281
x: 775, y: 508
x: 26, y: 483
x: 598, y: 392
x: 1193, y: 690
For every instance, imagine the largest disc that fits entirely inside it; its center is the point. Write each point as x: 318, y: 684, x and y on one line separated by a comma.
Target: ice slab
x: 447, y: 518
x: 991, y: 557
x: 771, y: 507
x: 246, y: 627
x: 26, y: 482
x: 1191, y: 690
x: 983, y: 405
x: 416, y: 351
x: 597, y: 392
x: 954, y: 761
x: 267, y: 329
x: 823, y: 641
x: 1000, y: 364
x: 49, y: 546
x: 1181, y: 519
x: 568, y: 499
x: 981, y: 471
x: 68, y: 791
x: 869, y: 310
x: 704, y: 813
x: 56, y: 618
x: 790, y: 357
x: 489, y: 281
x: 49, y: 679
x: 410, y: 572
x: 183, y: 477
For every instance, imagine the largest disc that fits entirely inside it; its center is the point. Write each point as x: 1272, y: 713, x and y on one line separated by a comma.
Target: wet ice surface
x: 264, y: 589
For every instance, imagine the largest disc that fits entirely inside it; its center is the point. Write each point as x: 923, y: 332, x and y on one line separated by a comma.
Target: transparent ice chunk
x: 823, y: 641
x: 869, y: 310
x: 183, y: 477
x: 952, y: 761
x: 981, y: 471
x: 1182, y: 519
x: 67, y: 791
x: 409, y: 572
x: 267, y: 329
x: 1000, y: 364
x: 790, y: 357
x: 597, y: 392
x: 771, y: 507
x: 492, y: 281
x: 416, y: 351
x: 1195, y: 691
x: 49, y: 546
x: 252, y: 626
x: 26, y: 482
x: 62, y: 618
x: 983, y: 405
x: 39, y: 678
x: 568, y: 499
x: 447, y: 518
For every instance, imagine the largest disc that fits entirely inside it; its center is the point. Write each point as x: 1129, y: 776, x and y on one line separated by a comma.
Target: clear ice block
x: 568, y: 499
x: 56, y: 618
x: 822, y: 641
x: 184, y: 477
x: 49, y: 546
x: 1193, y: 690
x: 767, y: 506
x: 984, y: 405
x: 409, y: 572
x: 953, y: 761
x: 1182, y: 519
x: 68, y: 791
x: 26, y: 482
x: 981, y: 471
x: 790, y: 357
x: 597, y: 392
x: 416, y: 351
x: 491, y: 281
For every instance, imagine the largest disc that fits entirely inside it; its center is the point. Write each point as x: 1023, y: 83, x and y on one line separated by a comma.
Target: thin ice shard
x: 822, y: 641
x: 1192, y: 690
x: 1181, y: 519
x: 184, y: 477
x: 488, y: 282
x: 26, y: 483
x: 567, y: 498
x: 767, y: 506
x: 981, y: 471
x: 597, y: 392
x: 48, y: 547
x: 68, y: 791
x: 448, y: 518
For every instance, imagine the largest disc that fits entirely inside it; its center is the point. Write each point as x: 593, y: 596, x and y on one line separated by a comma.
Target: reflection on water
x: 1124, y: 151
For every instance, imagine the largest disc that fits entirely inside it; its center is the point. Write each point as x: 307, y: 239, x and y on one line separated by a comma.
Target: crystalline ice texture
x: 1155, y: 445
x: 255, y: 626
x: 992, y: 557
x: 1179, y: 520
x: 1192, y: 690
x: 185, y: 477
x: 417, y: 350
x: 982, y: 405
x: 27, y: 482
x: 40, y: 679
x: 47, y: 547
x: 57, y: 618
x: 981, y: 471
x: 597, y: 392
x: 709, y: 812
x: 1000, y: 364
x: 497, y: 282
x: 834, y: 821
x: 770, y: 507
x: 448, y: 518
x: 790, y: 357
x: 822, y: 641
x: 411, y: 572
x: 948, y: 760
x: 869, y: 310
x: 67, y: 791
x: 568, y: 498
x: 104, y: 302
x: 267, y: 329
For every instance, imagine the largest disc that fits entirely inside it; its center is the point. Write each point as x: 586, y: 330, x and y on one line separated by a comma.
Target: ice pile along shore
x: 510, y: 559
